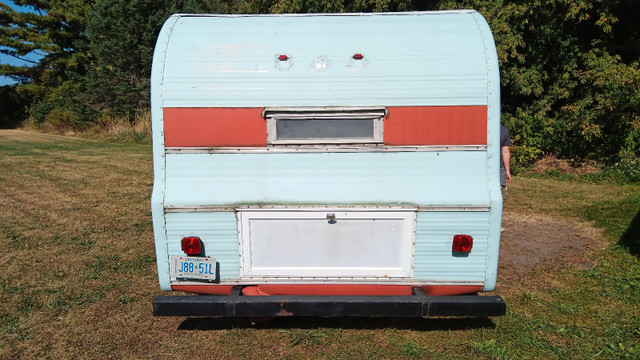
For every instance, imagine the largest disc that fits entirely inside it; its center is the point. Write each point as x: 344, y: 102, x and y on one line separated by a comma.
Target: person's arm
x: 506, y: 159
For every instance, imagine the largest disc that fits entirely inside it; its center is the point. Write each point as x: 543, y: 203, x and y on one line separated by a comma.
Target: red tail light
x: 191, y: 245
x: 462, y: 243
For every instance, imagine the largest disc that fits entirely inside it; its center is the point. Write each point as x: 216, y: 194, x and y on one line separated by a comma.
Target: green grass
x: 78, y: 275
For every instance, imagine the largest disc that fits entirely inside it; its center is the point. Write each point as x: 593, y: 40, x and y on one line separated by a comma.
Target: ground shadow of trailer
x: 631, y: 237
x: 438, y: 324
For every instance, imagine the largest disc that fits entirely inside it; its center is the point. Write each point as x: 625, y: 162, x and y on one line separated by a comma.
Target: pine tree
x: 53, y: 30
x: 122, y: 35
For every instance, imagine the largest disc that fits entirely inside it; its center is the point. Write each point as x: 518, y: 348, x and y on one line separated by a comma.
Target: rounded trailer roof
x: 374, y: 59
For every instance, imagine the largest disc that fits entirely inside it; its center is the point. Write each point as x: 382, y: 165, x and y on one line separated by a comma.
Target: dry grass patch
x: 551, y: 163
x: 66, y: 207
x: 560, y: 199
x: 107, y: 128
x: 17, y: 136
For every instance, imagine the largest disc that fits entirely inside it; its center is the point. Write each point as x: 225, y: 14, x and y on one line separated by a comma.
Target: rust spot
x: 284, y: 312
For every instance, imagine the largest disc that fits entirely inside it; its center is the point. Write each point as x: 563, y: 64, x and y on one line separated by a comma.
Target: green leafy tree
x: 568, y: 87
x: 324, y: 6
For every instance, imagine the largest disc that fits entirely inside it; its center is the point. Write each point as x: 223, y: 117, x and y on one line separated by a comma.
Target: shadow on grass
x: 365, y: 323
x: 631, y: 237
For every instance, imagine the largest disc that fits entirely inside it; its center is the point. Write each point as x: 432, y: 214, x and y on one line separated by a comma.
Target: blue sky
x: 5, y: 59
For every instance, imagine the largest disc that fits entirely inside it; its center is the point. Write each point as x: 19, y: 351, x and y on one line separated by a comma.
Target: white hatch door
x: 325, y: 243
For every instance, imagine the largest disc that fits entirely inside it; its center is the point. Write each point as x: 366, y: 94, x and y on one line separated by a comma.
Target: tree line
x: 570, y: 69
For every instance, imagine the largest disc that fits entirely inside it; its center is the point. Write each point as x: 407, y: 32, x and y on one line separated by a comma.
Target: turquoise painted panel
x: 218, y: 232
x: 493, y: 150
x: 419, y: 58
x: 439, y: 58
x: 434, y: 259
x: 157, y: 196
x: 449, y: 178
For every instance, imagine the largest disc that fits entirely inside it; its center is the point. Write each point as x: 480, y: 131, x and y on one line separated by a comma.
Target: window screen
x: 332, y: 126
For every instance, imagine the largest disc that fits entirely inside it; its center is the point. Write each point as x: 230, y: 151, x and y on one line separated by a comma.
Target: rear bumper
x: 416, y: 305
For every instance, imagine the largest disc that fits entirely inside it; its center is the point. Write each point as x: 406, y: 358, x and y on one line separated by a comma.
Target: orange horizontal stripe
x: 436, y: 125
x: 214, y: 127
x: 405, y: 125
x: 329, y: 290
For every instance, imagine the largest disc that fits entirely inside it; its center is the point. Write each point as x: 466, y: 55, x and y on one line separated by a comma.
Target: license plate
x: 190, y: 267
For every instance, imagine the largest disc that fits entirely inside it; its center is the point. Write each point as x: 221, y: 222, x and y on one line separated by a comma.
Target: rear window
x: 324, y: 126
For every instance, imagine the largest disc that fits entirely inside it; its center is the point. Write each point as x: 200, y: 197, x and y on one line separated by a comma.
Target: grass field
x: 77, y: 275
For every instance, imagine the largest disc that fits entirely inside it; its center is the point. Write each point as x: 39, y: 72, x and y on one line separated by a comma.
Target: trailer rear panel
x: 335, y: 154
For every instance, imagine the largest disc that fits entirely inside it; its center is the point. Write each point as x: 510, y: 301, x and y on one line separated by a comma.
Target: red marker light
x: 283, y: 57
x: 191, y: 245
x: 462, y: 243
x: 358, y: 56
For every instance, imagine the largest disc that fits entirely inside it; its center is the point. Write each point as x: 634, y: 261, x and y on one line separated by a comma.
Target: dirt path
x: 534, y: 242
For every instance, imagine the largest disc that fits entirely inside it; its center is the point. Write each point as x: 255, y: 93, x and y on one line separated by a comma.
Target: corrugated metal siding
x: 446, y: 178
x: 217, y: 230
x: 409, y: 59
x: 412, y: 59
x: 434, y: 259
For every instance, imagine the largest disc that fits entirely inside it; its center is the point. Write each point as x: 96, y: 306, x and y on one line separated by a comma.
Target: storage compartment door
x: 327, y: 244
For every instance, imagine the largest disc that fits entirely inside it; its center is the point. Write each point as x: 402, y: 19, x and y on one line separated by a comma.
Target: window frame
x: 375, y: 114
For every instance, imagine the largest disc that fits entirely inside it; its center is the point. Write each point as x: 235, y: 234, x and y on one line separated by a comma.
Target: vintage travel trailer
x: 327, y: 165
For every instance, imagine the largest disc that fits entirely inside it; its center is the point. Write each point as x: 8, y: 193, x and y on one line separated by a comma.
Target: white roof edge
x: 405, y: 13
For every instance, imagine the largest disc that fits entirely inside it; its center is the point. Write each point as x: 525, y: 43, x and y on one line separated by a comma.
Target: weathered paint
x: 218, y: 232
x: 334, y: 289
x: 409, y: 59
x: 434, y: 259
x: 405, y: 125
x: 419, y: 66
x: 436, y: 125
x: 307, y: 289
x: 214, y: 127
x: 418, y: 178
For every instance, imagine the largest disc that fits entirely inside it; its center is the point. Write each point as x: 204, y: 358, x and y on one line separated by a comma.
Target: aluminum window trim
x: 297, y: 110
x: 376, y: 115
x: 310, y: 148
x: 369, y: 208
